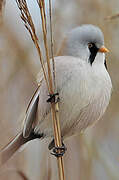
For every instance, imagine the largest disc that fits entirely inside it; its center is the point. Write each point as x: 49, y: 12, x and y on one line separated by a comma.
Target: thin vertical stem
x: 42, y: 5
x: 28, y: 22
x: 54, y: 106
x: 51, y: 43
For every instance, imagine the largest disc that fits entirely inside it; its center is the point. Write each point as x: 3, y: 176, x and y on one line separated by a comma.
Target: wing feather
x: 31, y: 113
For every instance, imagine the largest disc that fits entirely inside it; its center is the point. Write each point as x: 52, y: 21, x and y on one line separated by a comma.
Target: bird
x: 84, y: 87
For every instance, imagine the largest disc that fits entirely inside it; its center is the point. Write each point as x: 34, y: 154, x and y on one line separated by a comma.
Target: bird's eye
x: 90, y: 45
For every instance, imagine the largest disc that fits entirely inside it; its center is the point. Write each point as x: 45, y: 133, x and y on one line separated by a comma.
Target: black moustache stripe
x: 93, y: 53
x: 105, y: 63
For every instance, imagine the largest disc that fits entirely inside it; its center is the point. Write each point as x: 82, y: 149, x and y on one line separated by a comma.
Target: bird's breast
x: 84, y: 96
x: 98, y: 90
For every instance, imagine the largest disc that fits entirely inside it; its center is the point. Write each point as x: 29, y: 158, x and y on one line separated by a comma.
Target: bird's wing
x: 31, y: 113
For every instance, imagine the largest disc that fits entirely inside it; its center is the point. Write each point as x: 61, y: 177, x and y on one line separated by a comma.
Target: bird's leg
x: 54, y: 98
x: 59, y: 151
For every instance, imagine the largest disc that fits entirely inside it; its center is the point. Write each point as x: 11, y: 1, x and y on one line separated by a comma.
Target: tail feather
x: 7, y: 152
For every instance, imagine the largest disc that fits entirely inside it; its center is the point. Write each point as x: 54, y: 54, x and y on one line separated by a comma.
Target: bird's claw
x: 59, y: 151
x: 54, y: 98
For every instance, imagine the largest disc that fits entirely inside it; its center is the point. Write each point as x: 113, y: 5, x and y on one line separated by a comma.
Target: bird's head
x: 86, y: 42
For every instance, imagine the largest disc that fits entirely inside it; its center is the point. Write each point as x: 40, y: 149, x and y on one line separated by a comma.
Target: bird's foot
x: 54, y: 98
x: 59, y: 151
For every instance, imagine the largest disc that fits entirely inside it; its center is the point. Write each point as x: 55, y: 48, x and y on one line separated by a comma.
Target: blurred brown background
x: 91, y: 156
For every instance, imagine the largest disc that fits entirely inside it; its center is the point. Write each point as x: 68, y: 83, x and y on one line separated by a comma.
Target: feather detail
x: 31, y: 113
x: 7, y: 152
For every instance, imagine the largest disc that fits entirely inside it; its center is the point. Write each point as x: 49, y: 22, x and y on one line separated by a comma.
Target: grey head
x: 84, y: 41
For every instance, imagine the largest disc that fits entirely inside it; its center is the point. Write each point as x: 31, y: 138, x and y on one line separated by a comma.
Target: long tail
x: 7, y: 152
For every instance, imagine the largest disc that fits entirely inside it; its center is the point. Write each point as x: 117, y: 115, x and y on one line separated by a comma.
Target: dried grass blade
x: 27, y: 19
x: 54, y: 107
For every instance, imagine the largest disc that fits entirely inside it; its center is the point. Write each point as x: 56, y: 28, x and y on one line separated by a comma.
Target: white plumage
x: 84, y: 95
x: 84, y: 88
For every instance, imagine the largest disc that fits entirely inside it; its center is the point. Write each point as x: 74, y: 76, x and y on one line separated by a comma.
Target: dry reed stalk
x: 2, y: 5
x: 51, y: 44
x: 22, y: 175
x: 112, y: 17
x: 54, y: 106
x: 26, y: 17
x: 17, y: 171
x: 43, y: 17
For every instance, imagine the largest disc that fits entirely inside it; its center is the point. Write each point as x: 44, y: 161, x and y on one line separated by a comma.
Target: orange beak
x: 103, y: 49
